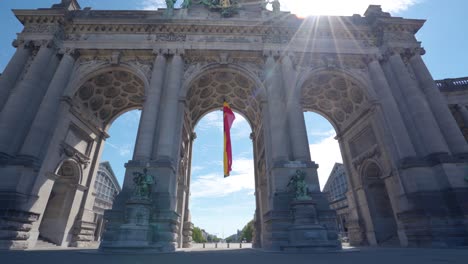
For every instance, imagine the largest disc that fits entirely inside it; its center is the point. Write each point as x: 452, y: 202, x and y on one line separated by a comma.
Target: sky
x: 221, y: 206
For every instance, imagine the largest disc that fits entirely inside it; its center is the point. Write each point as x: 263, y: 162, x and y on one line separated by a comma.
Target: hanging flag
x: 228, y: 118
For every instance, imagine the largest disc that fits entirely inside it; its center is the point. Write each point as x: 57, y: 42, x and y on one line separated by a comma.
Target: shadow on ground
x: 240, y: 256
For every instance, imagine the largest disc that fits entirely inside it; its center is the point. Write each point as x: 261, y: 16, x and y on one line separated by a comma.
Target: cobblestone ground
x: 240, y: 256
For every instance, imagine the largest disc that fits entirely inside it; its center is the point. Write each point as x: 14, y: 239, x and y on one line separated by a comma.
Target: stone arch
x: 362, y: 80
x: 187, y: 85
x: 105, y: 95
x: 209, y: 88
x: 60, y: 212
x: 384, y: 225
x: 70, y: 168
x: 204, y: 93
x: 335, y: 94
x: 80, y: 76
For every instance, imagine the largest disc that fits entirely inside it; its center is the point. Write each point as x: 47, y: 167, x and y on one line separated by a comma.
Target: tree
x: 247, y: 231
x: 197, y: 235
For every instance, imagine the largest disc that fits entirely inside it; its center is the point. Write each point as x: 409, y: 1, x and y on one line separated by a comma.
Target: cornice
x: 42, y: 16
x: 398, y: 24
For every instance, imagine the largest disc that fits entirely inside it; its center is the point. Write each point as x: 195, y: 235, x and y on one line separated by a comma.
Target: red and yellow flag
x: 228, y: 118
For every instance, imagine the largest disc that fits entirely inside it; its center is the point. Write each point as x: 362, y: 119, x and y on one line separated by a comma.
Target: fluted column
x: 22, y: 99
x: 47, y: 115
x: 13, y: 70
x: 421, y: 114
x: 169, y: 108
x: 399, y: 132
x: 149, y: 115
x: 444, y: 118
x: 297, y: 128
x: 276, y: 106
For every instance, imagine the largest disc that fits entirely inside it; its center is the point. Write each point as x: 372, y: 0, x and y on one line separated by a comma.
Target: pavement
x: 240, y: 256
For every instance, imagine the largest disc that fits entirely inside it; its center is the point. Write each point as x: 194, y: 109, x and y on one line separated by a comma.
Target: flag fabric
x: 228, y: 119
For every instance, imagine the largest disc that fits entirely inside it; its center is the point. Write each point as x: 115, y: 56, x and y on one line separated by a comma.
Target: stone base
x: 310, y: 238
x: 15, y: 227
x: 306, y: 234
x: 83, y: 234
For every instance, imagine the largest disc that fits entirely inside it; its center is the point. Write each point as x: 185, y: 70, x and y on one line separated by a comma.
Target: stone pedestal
x: 135, y: 233
x: 306, y: 234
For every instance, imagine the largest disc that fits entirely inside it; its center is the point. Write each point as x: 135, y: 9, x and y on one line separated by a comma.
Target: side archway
x: 59, y: 215
x: 384, y: 226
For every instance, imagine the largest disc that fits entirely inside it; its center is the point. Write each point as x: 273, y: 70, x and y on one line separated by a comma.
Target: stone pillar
x: 13, y: 70
x: 276, y: 106
x: 46, y: 117
x: 188, y: 226
x: 395, y: 123
x: 444, y: 118
x: 170, y: 105
x: 419, y: 110
x: 464, y: 113
x: 22, y: 100
x: 144, y: 143
x: 297, y: 128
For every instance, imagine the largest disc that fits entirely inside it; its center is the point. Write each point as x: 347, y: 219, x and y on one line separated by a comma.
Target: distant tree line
x: 245, y: 235
x: 197, y: 236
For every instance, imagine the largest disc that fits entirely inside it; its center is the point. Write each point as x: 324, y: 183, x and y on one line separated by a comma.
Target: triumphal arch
x: 75, y: 70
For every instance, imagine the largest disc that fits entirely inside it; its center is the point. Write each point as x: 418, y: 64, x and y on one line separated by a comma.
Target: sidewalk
x: 240, y: 256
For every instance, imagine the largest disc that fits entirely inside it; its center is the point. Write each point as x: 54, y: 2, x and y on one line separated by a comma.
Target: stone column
x: 297, y: 128
x: 395, y: 123
x: 464, y: 113
x: 46, y: 117
x: 444, y: 118
x: 170, y: 105
x: 144, y: 143
x: 276, y: 106
x: 13, y: 70
x: 13, y: 115
x: 421, y: 114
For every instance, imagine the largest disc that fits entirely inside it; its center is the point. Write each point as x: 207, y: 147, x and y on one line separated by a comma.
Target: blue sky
x: 223, y: 205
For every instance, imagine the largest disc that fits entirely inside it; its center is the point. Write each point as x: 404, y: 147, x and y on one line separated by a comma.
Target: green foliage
x: 248, y: 231
x: 197, y: 235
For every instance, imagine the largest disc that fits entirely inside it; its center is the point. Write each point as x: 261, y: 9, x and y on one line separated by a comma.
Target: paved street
x: 240, y: 256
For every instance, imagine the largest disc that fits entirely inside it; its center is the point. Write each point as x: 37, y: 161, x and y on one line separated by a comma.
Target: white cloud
x: 325, y: 153
x: 124, y: 150
x: 317, y: 133
x: 215, y: 185
x: 153, y: 4
x: 211, y: 120
x: 343, y: 7
x: 196, y: 168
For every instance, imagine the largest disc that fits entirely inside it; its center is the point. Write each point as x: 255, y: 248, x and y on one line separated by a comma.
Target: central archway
x: 204, y: 93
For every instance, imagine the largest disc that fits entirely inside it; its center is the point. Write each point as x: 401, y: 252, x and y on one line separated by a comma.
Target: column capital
x: 369, y: 58
x: 44, y: 43
x: 272, y: 53
x: 404, y: 53
x: 158, y: 52
x: 288, y: 58
x: 175, y: 51
x: 74, y: 53
x: 20, y: 43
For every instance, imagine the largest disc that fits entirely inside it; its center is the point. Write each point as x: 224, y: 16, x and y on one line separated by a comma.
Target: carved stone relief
x: 108, y: 94
x: 213, y: 87
x: 334, y: 95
